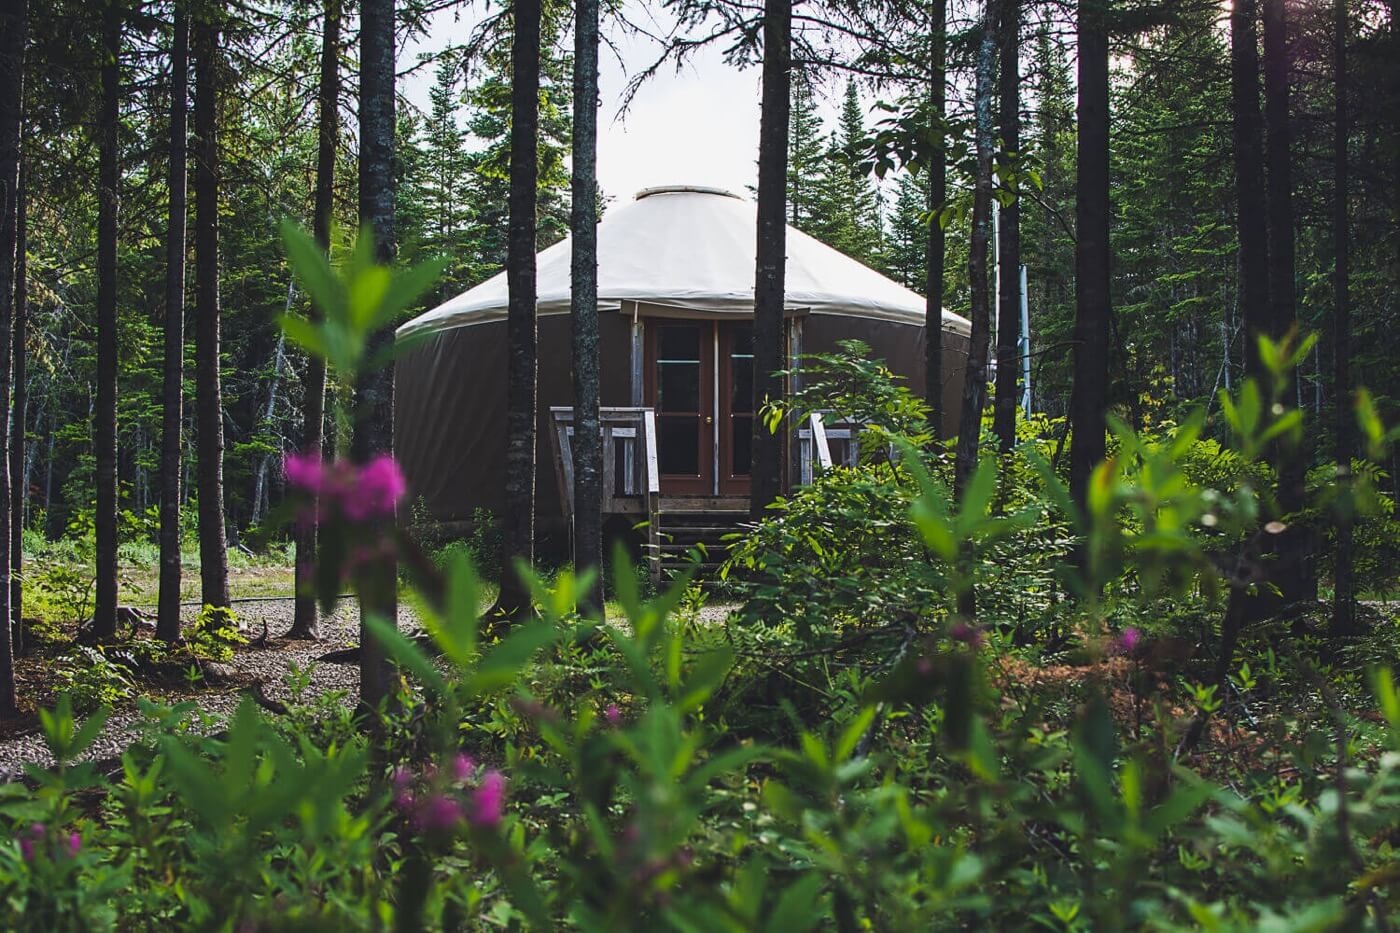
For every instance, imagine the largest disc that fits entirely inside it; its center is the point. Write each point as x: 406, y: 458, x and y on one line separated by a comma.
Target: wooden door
x: 680, y: 386
x: 735, y: 348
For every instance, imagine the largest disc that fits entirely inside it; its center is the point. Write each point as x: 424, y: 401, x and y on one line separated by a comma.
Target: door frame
x: 684, y: 484
x: 643, y: 391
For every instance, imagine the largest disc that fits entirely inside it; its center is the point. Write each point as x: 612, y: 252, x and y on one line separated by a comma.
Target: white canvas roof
x: 693, y: 248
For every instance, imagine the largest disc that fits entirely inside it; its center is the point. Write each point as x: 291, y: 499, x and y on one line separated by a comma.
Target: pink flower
x: 26, y: 849
x: 1128, y: 641
x: 488, y: 801
x: 378, y: 489
x: 969, y: 635
x: 612, y: 714
x: 75, y: 844
x: 463, y: 767
x: 305, y: 472
x: 440, y: 813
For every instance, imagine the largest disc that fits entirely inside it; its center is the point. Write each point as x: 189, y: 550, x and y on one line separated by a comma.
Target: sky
x: 698, y: 126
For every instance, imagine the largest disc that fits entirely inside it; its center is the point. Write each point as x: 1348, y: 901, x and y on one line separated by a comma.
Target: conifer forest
x: 699, y: 465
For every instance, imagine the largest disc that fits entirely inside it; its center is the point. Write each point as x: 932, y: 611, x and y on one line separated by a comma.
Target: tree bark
x: 173, y: 374
x: 766, y: 471
x: 1089, y: 396
x: 374, y: 425
x: 1251, y: 211
x: 937, y: 196
x: 1344, y: 591
x: 13, y: 23
x: 209, y: 473
x: 588, y: 438
x: 1293, y: 570
x: 104, y: 620
x: 1009, y: 240
x: 305, y: 620
x: 19, y: 472
x: 522, y: 329
x: 974, y: 395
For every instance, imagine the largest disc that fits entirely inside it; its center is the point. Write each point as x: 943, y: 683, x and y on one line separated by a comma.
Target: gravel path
x: 268, y: 665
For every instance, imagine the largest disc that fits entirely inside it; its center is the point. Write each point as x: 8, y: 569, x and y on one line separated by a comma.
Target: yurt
x: 675, y: 296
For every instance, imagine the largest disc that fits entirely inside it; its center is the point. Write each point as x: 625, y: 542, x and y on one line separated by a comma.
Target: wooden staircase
x: 696, y: 538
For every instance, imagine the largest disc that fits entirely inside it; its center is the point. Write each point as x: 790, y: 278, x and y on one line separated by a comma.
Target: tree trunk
x: 209, y: 474
x: 19, y: 467
x: 374, y: 426
x: 1293, y: 570
x: 974, y: 395
x: 522, y: 330
x: 305, y: 621
x: 588, y: 439
x: 1344, y: 595
x: 1009, y: 240
x: 104, y: 620
x: 975, y: 378
x: 13, y: 22
x: 937, y: 196
x: 1251, y: 212
x: 1089, y: 396
x: 279, y: 358
x: 766, y: 472
x: 173, y: 375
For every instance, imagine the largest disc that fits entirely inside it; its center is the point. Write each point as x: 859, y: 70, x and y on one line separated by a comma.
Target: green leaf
x: 406, y: 653
x: 313, y: 270
x: 800, y: 907
x: 505, y: 661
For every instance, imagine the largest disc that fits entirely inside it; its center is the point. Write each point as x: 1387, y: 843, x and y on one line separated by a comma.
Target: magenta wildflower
x: 75, y: 844
x: 488, y: 801
x: 305, y: 472
x: 612, y: 714
x: 26, y: 849
x: 969, y: 635
x: 1128, y: 640
x: 463, y: 767
x: 379, y: 488
x: 440, y: 813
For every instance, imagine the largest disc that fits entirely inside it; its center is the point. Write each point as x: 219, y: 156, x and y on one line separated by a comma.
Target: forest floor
x: 274, y: 668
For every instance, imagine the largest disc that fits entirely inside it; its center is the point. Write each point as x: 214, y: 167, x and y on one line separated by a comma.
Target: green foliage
x: 214, y: 634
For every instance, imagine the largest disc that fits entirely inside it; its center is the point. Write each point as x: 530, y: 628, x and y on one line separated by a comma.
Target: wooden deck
x: 632, y: 479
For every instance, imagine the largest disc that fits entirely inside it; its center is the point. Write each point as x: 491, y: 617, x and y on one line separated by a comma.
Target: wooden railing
x: 815, y: 441
x: 631, y: 477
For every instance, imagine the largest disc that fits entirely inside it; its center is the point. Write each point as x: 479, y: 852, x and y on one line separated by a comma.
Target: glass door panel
x: 736, y: 407
x: 681, y: 387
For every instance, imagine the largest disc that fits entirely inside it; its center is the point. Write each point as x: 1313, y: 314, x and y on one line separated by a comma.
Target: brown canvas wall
x: 450, y: 411
x: 450, y: 397
x: 901, y: 346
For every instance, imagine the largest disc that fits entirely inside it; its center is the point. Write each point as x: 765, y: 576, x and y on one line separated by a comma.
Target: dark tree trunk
x: 19, y: 475
x: 974, y: 395
x: 588, y: 438
x: 1344, y: 596
x: 173, y: 375
x: 1009, y: 236
x: 522, y: 330
x: 209, y: 473
x: 1293, y: 570
x: 937, y: 196
x: 770, y: 275
x: 374, y: 425
x: 13, y: 22
x: 1089, y: 396
x: 104, y: 620
x: 305, y: 623
x: 1251, y: 212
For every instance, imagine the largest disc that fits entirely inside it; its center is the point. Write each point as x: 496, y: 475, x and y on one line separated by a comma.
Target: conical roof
x: 693, y: 248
